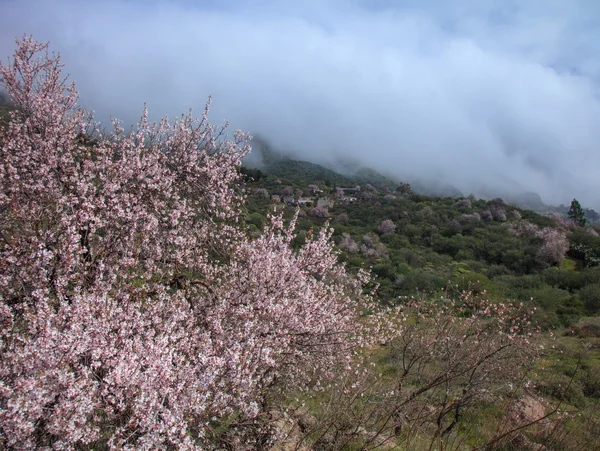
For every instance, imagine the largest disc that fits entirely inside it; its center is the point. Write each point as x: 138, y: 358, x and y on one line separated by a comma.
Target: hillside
x: 485, y: 245
x: 419, y: 246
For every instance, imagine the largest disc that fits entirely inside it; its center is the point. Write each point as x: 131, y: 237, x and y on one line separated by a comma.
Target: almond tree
x: 348, y: 244
x: 372, y: 248
x: 555, y: 245
x: 134, y: 311
x: 318, y: 212
x: 387, y: 226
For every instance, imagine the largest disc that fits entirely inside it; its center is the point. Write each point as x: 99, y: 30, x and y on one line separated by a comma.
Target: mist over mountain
x: 482, y: 96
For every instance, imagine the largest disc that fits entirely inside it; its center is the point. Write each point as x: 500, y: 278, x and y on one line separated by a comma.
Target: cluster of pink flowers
x: 387, y: 226
x: 134, y: 311
x: 555, y: 246
x: 522, y: 228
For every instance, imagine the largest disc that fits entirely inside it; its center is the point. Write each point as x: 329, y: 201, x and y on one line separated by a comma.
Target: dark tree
x: 576, y: 213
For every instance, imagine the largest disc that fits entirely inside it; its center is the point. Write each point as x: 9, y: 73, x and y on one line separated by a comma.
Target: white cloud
x: 501, y: 92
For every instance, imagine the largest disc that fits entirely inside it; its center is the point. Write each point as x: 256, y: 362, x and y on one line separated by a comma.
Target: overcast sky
x: 466, y: 91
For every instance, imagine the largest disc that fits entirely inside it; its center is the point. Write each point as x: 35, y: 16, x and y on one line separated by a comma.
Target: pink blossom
x: 387, y: 226
x: 134, y: 311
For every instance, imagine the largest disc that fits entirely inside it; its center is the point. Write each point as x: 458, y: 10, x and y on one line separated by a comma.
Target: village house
x: 306, y: 202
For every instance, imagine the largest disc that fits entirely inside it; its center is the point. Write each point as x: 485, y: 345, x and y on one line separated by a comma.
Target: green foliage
x: 385, y: 270
x: 590, y: 295
x: 585, y: 246
x: 565, y: 280
x: 251, y: 174
x: 416, y: 281
x: 439, y: 240
x: 561, y: 387
x: 257, y: 220
x: 568, y: 264
x: 475, y: 282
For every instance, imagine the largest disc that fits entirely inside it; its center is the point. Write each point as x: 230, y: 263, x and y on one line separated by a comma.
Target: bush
x: 555, y: 246
x: 590, y: 295
x: 586, y: 329
x: 257, y: 219
x: 416, y: 281
x: 561, y: 387
x: 570, y: 310
x: 387, y: 226
x: 385, y: 270
x: 585, y: 246
x: 474, y: 282
x: 566, y: 280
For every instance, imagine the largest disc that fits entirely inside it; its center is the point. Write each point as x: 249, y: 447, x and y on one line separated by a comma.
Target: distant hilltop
x: 266, y: 158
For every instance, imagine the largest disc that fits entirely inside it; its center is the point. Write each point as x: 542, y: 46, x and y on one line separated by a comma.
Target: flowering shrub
x: 261, y: 193
x: 318, y: 212
x: 287, y: 191
x: 387, y: 226
x: 498, y: 212
x: 523, y: 229
x: 486, y: 215
x: 134, y: 311
x: 555, y: 245
x: 371, y: 248
x: 469, y: 218
x: 348, y: 244
x: 342, y: 218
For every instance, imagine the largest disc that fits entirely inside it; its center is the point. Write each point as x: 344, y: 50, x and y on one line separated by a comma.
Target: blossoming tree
x: 134, y: 311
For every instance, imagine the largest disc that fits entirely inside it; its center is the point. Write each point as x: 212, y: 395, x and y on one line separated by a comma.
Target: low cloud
x: 472, y: 93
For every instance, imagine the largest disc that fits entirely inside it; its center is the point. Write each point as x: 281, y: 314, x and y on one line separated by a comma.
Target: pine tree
x: 576, y: 213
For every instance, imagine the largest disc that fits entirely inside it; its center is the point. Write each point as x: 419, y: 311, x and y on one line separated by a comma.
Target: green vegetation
x: 470, y: 243
x: 422, y: 246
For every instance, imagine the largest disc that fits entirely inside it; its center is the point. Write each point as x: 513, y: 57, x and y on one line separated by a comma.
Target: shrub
x: 387, y: 226
x: 585, y: 246
x: 555, y: 246
x: 523, y: 229
x: 257, y: 219
x: 498, y: 212
x: 486, y: 215
x: 287, y: 191
x: 590, y: 295
x: 342, y: 218
x: 372, y: 248
x: 450, y: 357
x: 318, y: 212
x: 348, y: 244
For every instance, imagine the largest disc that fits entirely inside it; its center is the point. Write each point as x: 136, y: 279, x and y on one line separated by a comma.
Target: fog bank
x: 471, y: 93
